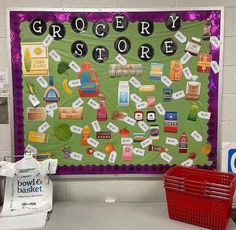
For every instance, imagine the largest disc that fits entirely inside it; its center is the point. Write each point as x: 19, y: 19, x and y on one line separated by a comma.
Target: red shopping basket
x: 199, y: 207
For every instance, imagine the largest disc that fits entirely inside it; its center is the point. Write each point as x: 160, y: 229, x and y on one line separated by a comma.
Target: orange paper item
x: 176, y: 68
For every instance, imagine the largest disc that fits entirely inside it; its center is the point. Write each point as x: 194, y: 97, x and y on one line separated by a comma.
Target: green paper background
x: 109, y: 87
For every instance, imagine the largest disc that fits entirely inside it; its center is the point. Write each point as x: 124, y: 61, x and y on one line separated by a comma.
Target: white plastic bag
x: 30, y: 189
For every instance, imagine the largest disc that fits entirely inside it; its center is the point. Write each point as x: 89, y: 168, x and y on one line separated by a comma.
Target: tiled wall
x: 120, y: 188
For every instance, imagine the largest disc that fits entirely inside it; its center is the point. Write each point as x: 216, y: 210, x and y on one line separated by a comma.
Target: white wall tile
x: 142, y: 190
x: 234, y: 201
x: 199, y: 3
x: 5, y: 137
x: 3, y: 60
x: 229, y: 79
x: 2, y: 23
x: 32, y: 3
x: 229, y: 51
x: 92, y: 190
x: 230, y: 21
x: 145, y: 4
x: 229, y: 107
x: 3, y: 46
x: 89, y: 3
x: 228, y: 131
x: 229, y: 117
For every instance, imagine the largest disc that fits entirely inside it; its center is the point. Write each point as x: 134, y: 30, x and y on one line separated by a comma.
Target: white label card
x: 146, y: 142
x: 196, y: 136
x: 76, y: 156
x: 135, y: 98
x: 112, y: 127
x: 138, y: 151
x: 185, y: 58
x: 180, y: 37
x: 204, y: 115
x: 74, y: 83
x: 134, y: 82
x: 193, y: 47
x: 166, y: 81
x: 178, y: 95
x: 126, y: 141
x: 42, y: 82
x: 75, y: 67
x: 215, y: 41
x: 42, y: 128
x: 112, y: 157
x: 55, y: 56
x: 215, y: 67
x: 160, y: 109
x: 142, y: 125
x: 93, y: 104
x: 77, y: 103
x: 51, y: 107
x: 92, y: 142
x: 194, y: 77
x: 30, y: 149
x: 141, y: 105
x: 187, y: 163
x: 187, y: 73
x: 129, y: 120
x: 76, y: 129
x: 96, y: 126
x: 34, y: 100
x: 48, y: 40
x: 120, y: 59
x: 50, y: 113
x: 167, y: 157
x: 171, y: 141
x: 99, y: 155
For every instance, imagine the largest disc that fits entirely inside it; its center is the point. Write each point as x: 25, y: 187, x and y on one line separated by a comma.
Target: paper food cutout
x: 170, y: 122
x: 176, y: 70
x: 89, y: 81
x: 204, y: 63
x: 193, y: 89
x: 156, y: 71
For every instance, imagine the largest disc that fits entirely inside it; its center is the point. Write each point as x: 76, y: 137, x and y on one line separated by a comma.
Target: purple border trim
x: 16, y: 17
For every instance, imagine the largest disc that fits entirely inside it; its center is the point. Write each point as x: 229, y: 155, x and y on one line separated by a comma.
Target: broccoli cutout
x: 63, y: 67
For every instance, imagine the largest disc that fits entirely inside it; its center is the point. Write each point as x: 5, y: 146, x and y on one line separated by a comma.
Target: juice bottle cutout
x: 85, y: 135
x: 89, y: 81
x: 51, y: 94
x: 102, y: 111
x: 183, y: 143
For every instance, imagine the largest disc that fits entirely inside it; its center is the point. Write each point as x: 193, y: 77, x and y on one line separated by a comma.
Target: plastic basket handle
x: 200, y: 189
x: 205, y: 183
x: 197, y: 194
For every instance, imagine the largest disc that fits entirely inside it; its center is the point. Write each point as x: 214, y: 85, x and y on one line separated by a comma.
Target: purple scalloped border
x: 16, y: 17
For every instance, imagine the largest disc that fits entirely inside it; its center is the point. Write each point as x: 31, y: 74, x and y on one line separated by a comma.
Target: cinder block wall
x: 129, y: 189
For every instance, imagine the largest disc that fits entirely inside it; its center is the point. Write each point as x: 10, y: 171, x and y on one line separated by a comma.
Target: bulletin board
x: 117, y: 91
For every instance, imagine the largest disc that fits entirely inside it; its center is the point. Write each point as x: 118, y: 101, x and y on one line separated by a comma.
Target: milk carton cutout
x: 123, y: 93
